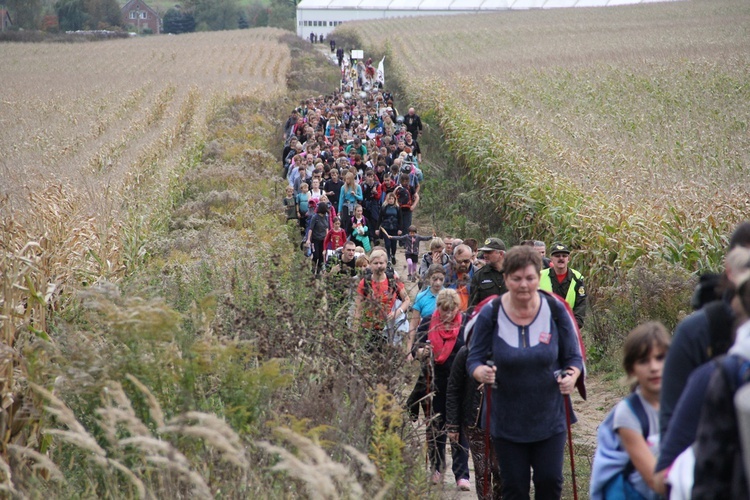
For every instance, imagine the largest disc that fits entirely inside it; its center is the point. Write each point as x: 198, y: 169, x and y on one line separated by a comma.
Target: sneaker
x: 436, y: 477
x: 463, y: 485
x: 393, y: 260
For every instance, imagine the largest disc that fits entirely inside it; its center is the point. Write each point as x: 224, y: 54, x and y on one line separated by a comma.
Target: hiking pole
x: 487, y: 420
x: 568, y: 411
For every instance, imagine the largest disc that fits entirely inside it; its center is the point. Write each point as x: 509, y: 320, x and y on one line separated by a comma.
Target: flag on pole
x: 380, y: 76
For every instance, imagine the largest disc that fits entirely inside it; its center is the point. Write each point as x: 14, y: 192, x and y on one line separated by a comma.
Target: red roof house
x: 140, y: 16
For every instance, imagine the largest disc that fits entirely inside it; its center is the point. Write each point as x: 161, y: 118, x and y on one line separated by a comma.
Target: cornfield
x: 622, y: 131
x: 93, y: 138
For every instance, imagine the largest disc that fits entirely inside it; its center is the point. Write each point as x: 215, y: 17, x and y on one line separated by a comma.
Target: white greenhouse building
x: 322, y: 16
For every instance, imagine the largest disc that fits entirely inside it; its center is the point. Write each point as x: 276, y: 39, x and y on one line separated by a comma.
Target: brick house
x: 139, y: 15
x: 5, y: 22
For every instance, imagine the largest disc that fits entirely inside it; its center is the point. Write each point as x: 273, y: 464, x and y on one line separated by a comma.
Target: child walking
x: 336, y: 236
x: 411, y: 248
x: 635, y: 421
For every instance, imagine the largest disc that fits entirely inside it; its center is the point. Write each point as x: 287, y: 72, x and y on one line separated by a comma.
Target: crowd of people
x: 497, y: 331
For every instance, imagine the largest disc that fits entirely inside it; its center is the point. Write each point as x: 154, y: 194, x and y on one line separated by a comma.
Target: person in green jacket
x: 561, y: 280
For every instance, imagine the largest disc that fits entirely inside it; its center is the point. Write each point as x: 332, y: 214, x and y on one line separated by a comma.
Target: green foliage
x: 282, y: 14
x: 214, y: 15
x: 386, y: 446
x: 103, y: 14
x: 637, y: 295
x: 71, y: 14
x: 88, y: 14
x: 26, y: 14
x: 257, y: 14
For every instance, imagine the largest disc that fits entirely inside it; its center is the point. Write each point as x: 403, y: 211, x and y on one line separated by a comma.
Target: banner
x: 380, y: 75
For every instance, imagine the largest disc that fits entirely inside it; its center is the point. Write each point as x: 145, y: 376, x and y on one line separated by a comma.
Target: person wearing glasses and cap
x: 459, y: 273
x: 561, y: 280
x: 489, y: 280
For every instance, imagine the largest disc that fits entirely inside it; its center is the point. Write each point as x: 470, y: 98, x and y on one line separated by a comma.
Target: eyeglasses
x: 464, y: 261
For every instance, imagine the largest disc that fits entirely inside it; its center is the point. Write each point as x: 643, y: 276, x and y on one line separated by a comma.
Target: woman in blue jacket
x: 538, y: 359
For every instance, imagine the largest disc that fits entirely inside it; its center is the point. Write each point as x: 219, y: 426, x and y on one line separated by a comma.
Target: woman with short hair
x: 534, y: 343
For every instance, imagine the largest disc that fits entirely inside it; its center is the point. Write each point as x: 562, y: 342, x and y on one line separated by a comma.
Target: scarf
x: 443, y: 340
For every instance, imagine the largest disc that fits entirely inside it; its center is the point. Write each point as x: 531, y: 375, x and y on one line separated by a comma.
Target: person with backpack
x: 700, y: 337
x: 462, y: 412
x: 537, y: 353
x: 408, y: 199
x: 376, y: 300
x: 317, y: 234
x: 719, y: 456
x: 628, y: 439
x: 439, y: 343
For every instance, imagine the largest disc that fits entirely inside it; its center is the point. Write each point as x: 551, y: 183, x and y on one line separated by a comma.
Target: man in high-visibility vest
x: 565, y: 282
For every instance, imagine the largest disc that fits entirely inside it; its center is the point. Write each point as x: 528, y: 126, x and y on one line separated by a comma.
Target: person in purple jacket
x: 538, y: 360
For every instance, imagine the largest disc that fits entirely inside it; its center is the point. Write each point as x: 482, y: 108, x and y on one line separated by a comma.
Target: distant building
x: 322, y: 16
x: 140, y: 16
x: 5, y: 22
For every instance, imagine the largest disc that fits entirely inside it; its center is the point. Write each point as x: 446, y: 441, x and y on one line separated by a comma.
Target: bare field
x: 91, y: 133
x: 622, y: 130
x: 87, y: 114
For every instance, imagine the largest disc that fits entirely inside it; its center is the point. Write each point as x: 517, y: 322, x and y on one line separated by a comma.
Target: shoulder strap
x: 720, y: 328
x: 496, y: 302
x: 553, y: 306
x: 635, y: 404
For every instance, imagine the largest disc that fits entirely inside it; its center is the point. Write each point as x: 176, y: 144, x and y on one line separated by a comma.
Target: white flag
x: 380, y: 77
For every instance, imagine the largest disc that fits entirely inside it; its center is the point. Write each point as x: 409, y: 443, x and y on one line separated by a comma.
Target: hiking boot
x: 463, y: 485
x: 436, y: 477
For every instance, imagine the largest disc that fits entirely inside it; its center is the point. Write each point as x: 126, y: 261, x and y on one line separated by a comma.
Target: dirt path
x: 602, y: 394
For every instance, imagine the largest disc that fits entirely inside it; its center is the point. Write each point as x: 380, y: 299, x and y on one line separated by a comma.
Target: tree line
x: 188, y: 16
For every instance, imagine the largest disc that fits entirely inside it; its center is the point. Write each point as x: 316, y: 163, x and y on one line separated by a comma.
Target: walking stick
x: 487, y: 420
x: 570, y: 439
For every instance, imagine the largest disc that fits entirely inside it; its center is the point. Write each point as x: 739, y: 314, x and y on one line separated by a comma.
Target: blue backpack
x: 612, y: 465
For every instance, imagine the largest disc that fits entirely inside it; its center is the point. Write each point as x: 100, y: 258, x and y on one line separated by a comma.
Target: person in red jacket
x: 335, y: 238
